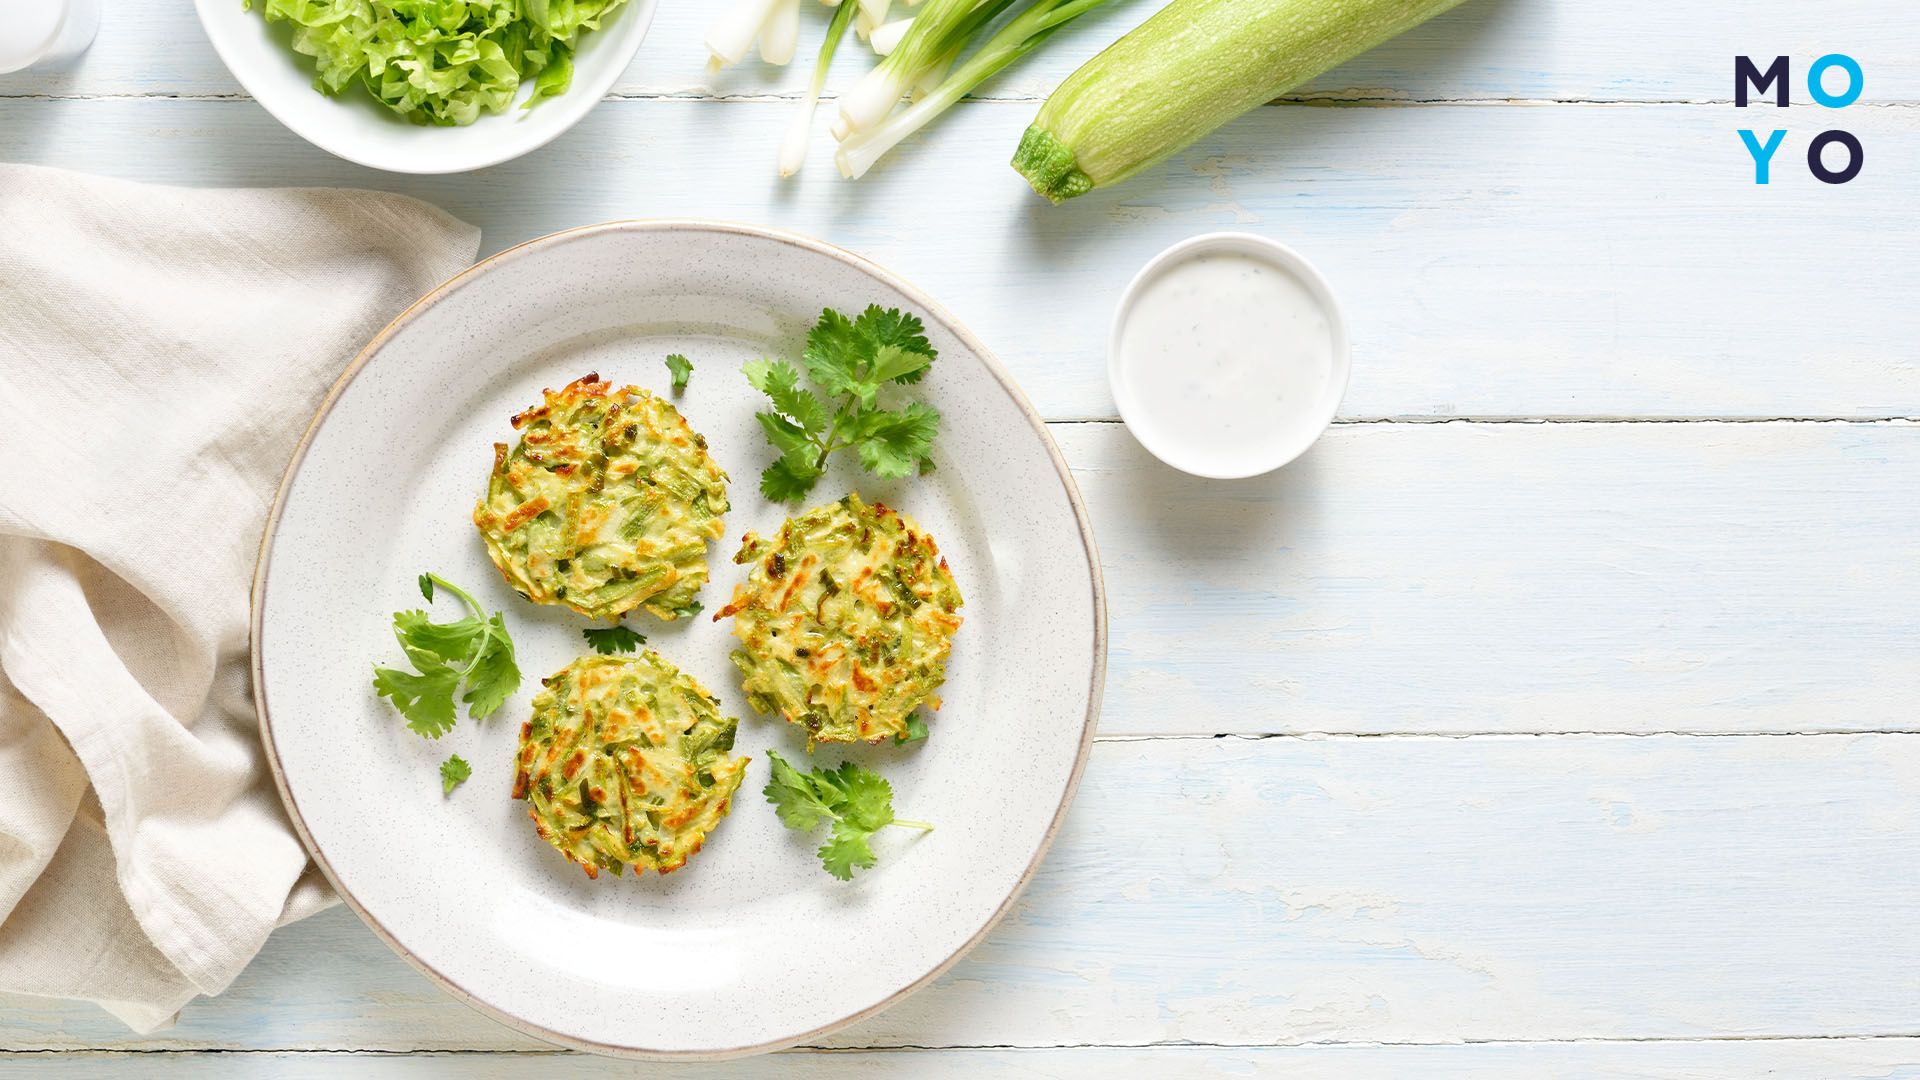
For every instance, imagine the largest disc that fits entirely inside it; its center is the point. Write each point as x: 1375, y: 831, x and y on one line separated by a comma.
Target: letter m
x: 1775, y: 78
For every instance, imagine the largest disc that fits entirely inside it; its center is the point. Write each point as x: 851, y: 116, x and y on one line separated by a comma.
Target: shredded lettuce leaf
x: 441, y: 62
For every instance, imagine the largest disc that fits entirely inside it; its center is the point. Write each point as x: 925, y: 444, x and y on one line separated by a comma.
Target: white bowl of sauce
x: 1229, y: 355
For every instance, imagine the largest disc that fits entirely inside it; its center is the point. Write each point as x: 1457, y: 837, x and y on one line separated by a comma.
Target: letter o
x: 1856, y: 80
x: 1855, y: 158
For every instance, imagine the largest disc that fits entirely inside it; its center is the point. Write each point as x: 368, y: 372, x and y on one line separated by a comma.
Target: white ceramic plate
x: 751, y: 946
x: 357, y: 127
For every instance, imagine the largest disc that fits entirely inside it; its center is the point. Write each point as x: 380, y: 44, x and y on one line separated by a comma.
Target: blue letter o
x: 1856, y: 80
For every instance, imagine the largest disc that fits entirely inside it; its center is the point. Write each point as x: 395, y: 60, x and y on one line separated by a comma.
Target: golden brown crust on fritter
x: 626, y: 762
x: 605, y: 504
x: 845, y: 621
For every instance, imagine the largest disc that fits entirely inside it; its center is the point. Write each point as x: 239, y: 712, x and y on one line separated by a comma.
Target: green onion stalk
x: 872, y: 14
x: 887, y: 36
x: 775, y: 22
x: 867, y: 142
x: 940, y: 29
x: 793, y: 149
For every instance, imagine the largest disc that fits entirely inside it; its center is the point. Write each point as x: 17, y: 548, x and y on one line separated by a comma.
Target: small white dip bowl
x: 357, y: 127
x: 1297, y: 420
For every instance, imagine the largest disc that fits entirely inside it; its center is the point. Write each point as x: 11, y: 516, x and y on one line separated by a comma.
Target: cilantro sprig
x: 474, y: 650
x: 607, y: 640
x: 453, y: 772
x: 849, y: 361
x: 681, y: 370
x: 856, y: 800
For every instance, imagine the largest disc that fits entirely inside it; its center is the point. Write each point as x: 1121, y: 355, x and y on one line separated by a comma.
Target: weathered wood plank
x: 1488, y: 49
x: 1780, y: 1059
x: 1502, y: 262
x: 1457, y: 577
x: 1275, y: 891
x: 1562, y: 261
x: 1516, y: 577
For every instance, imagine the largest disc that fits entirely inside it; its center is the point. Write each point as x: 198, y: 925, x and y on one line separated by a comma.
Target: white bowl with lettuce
x: 431, y: 87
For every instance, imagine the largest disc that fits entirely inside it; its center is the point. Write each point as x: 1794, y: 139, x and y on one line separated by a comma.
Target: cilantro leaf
x: 607, y: 640
x: 856, y: 800
x: 916, y: 731
x: 425, y: 699
x: 427, y: 641
x: 846, y: 849
x: 453, y: 772
x: 868, y: 804
x: 493, y: 676
x: 794, y: 798
x: 785, y: 435
x: 851, y: 361
x: 897, y: 444
x: 790, y: 478
x: 475, y: 650
x: 896, y: 329
x: 833, y: 353
x: 681, y: 369
x: 894, y: 364
x: 780, y: 381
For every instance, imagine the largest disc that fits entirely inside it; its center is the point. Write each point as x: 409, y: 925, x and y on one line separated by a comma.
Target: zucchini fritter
x: 845, y: 621
x: 605, y: 504
x: 626, y: 763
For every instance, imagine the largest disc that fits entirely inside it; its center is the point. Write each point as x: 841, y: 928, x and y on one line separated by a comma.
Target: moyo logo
x: 1776, y: 78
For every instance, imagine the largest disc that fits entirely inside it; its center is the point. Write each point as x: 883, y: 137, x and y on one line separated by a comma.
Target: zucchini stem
x: 1050, y: 166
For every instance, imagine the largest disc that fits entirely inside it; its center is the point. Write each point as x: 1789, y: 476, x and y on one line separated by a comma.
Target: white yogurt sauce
x: 1227, y: 357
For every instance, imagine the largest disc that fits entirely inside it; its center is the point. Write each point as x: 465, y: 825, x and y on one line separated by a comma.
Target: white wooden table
x: 1556, y: 716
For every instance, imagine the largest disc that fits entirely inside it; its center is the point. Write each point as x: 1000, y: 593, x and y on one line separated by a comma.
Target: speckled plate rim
x: 934, y: 311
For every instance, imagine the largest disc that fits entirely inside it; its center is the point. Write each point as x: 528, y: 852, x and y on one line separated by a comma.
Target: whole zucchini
x: 1189, y: 69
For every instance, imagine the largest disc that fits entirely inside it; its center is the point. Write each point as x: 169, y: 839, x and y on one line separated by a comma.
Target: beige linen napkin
x: 161, y: 351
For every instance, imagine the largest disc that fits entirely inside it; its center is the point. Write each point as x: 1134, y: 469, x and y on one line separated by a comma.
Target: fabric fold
x: 161, y: 351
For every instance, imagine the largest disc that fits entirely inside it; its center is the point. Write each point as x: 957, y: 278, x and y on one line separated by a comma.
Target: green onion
x: 1189, y: 69
x: 887, y: 36
x: 775, y: 22
x: 1025, y: 32
x: 939, y: 30
x: 781, y: 35
x: 872, y: 14
x: 793, y: 150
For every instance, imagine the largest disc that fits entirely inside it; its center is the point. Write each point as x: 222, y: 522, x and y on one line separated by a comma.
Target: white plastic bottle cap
x: 45, y: 31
